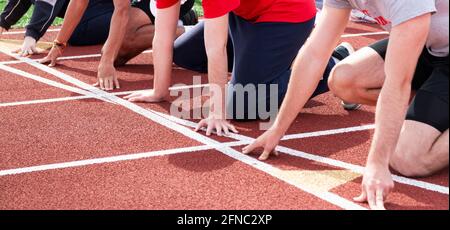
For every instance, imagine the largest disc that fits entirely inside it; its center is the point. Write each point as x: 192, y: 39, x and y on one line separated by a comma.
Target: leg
x: 424, y: 141
x: 421, y: 150
x: 139, y: 36
x: 359, y: 77
x: 190, y: 52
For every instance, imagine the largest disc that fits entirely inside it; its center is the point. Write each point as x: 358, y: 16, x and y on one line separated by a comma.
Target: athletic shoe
x: 360, y: 17
x: 350, y: 106
x: 341, y: 52
x: 190, y: 18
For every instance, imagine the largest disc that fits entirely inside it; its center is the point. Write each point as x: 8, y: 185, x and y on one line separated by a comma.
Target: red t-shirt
x: 256, y: 10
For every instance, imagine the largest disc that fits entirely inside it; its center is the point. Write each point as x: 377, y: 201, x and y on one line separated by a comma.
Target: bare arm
x: 163, y: 42
x: 72, y: 18
x: 405, y: 46
x: 307, y: 72
x: 216, y: 38
x: 406, y: 40
x: 165, y: 34
x: 106, y: 75
x: 117, y: 31
x: 310, y: 65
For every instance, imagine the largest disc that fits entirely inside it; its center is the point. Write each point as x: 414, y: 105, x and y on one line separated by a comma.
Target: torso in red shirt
x: 257, y: 10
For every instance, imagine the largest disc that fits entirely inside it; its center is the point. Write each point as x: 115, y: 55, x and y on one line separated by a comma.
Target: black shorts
x: 144, y: 5
x: 430, y: 105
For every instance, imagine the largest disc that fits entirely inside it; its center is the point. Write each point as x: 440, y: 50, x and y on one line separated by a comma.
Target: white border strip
x: 74, y: 98
x: 112, y: 159
x: 76, y: 57
x: 328, y: 132
x: 365, y: 34
x: 24, y: 31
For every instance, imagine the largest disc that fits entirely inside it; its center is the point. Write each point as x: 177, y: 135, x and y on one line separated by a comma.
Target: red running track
x: 73, y: 130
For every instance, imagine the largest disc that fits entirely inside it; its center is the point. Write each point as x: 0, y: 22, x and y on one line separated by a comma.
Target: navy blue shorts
x: 93, y: 28
x: 258, y: 54
x: 430, y: 81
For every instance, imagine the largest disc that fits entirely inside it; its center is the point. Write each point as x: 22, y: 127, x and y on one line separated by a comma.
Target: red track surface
x: 66, y: 131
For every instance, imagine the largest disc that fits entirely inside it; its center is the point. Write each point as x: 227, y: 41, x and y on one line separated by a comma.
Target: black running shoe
x: 343, y: 50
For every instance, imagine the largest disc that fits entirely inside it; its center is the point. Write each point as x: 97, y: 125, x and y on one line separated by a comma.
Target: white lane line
x: 269, y: 169
x: 86, y: 56
x: 365, y: 34
x: 360, y: 170
x: 63, y: 99
x: 112, y: 159
x: 329, y: 132
x: 23, y: 31
x: 48, y: 82
x: 326, y: 160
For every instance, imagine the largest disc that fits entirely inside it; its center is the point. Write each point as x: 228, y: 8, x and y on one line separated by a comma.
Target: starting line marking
x: 62, y: 99
x: 112, y: 159
x: 23, y: 31
x: 65, y: 58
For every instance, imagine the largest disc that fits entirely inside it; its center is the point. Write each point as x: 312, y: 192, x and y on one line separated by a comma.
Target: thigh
x: 417, y: 138
x: 265, y: 51
x: 138, y: 19
x: 416, y: 153
x: 190, y: 52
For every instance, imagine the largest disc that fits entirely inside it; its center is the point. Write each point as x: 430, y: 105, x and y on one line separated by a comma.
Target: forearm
x: 305, y: 77
x: 216, y: 38
x: 163, y: 43
x: 217, y: 74
x: 390, y: 114
x: 73, y: 16
x: 406, y: 40
x: 116, y: 34
x: 310, y: 65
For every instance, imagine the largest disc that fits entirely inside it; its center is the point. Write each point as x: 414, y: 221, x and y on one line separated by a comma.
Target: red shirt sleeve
x: 162, y: 4
x: 218, y: 8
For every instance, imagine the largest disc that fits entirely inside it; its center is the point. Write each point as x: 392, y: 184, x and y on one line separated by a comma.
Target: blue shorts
x: 93, y: 28
x: 258, y: 53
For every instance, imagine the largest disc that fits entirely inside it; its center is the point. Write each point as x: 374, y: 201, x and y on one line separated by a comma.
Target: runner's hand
x: 28, y: 47
x: 106, y: 77
x: 376, y: 186
x: 268, y: 141
x: 147, y: 96
x: 52, y: 56
x: 220, y: 125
